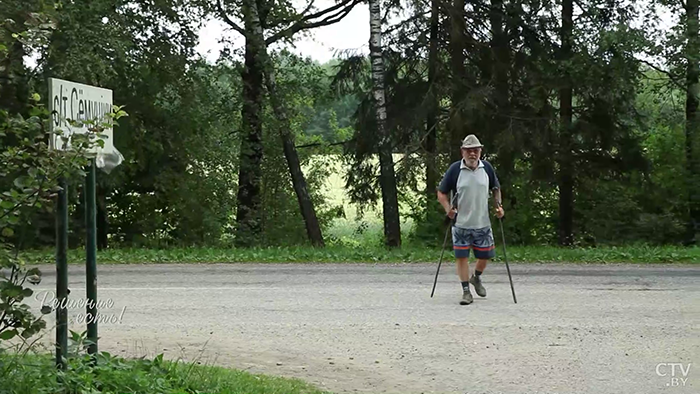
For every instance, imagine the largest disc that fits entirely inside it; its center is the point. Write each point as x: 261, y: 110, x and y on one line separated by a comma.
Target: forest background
x: 587, y: 110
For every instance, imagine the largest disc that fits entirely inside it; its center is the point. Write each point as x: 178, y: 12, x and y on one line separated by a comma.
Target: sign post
x: 62, y: 274
x: 91, y: 258
x: 71, y: 102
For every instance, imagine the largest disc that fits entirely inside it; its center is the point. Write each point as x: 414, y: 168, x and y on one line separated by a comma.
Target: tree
x: 144, y: 51
x: 565, y: 179
x: 257, y: 18
x: 504, y: 137
x: 431, y: 124
x: 692, y: 122
x: 387, y: 176
x: 459, y: 85
x: 249, y: 207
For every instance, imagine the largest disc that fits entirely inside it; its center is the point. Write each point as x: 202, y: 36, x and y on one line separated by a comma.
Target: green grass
x: 369, y: 254
x: 37, y: 374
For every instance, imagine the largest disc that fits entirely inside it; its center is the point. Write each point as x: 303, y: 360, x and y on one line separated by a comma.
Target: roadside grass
x: 37, y: 373
x: 640, y: 254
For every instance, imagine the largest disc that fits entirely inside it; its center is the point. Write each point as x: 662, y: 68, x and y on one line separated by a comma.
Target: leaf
x: 8, y: 232
x: 10, y: 290
x: 20, y: 182
x: 7, y: 335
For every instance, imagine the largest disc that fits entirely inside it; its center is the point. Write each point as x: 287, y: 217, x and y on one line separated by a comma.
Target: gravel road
x: 374, y: 328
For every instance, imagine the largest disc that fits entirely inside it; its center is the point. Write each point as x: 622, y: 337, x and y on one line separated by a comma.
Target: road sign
x: 76, y: 102
x: 72, y: 105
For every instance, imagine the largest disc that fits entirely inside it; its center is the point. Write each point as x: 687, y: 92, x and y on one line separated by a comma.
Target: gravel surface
x: 374, y: 328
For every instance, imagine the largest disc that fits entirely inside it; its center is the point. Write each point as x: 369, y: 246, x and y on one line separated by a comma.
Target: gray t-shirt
x: 472, y: 187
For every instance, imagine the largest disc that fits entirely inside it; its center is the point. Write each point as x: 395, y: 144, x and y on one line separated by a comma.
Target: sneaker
x: 476, y: 281
x: 466, y: 298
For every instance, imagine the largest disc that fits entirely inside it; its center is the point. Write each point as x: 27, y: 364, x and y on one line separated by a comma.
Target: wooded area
x: 588, y: 111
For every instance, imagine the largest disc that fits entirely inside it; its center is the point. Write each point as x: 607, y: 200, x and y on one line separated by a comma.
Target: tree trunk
x: 255, y: 36
x: 692, y: 125
x: 313, y: 229
x: 501, y: 52
x: 458, y: 87
x: 431, y: 173
x: 387, y: 177
x: 500, y: 47
x: 566, y: 169
x: 250, y: 170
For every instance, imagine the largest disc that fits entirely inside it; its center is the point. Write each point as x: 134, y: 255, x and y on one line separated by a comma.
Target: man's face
x: 471, y: 155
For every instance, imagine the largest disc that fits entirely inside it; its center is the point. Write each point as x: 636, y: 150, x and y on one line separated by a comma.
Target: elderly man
x: 471, y: 179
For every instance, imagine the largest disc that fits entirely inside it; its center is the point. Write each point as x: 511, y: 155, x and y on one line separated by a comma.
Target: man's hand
x: 500, y: 212
x: 451, y: 213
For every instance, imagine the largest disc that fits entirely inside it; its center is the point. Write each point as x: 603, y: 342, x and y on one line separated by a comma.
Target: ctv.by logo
x: 674, y: 371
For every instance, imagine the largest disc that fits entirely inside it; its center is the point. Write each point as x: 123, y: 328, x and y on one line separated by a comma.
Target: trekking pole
x: 444, y: 243
x: 505, y: 255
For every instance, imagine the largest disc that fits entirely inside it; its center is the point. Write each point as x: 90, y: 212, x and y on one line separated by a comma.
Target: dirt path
x: 374, y: 328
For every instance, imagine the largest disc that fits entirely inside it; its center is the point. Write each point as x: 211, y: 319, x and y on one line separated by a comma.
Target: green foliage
x: 332, y: 115
x: 30, y: 180
x: 177, y: 185
x: 110, y: 374
x: 371, y: 253
x: 180, y: 142
x: 300, y: 82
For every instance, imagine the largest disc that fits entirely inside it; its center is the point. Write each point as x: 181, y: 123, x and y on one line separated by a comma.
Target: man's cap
x: 471, y: 142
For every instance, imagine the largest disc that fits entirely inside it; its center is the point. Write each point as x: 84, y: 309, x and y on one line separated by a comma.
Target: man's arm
x: 447, y: 185
x: 444, y: 200
x: 497, y: 201
x: 495, y: 187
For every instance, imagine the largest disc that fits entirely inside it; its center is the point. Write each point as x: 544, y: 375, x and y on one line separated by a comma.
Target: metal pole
x: 444, y: 242
x: 91, y: 257
x: 512, y: 289
x: 62, y: 274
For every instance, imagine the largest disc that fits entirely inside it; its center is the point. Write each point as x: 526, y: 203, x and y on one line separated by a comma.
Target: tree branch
x: 19, y: 204
x: 321, y: 143
x: 337, y: 13
x: 308, y: 8
x: 668, y: 74
x: 400, y: 25
x: 228, y: 20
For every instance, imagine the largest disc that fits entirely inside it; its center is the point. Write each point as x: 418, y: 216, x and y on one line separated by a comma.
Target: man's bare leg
x: 481, y: 265
x: 463, y: 273
x: 463, y: 268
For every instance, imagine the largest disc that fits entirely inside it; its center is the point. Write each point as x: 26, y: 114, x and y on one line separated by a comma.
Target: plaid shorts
x: 480, y: 239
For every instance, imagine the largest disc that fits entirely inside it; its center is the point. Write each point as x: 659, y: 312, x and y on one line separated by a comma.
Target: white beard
x: 472, y: 162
